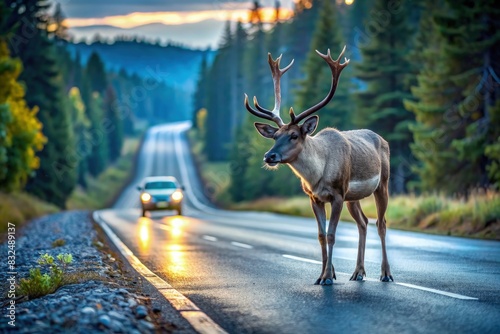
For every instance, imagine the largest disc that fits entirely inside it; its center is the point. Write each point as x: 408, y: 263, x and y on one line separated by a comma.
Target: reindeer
x: 333, y: 166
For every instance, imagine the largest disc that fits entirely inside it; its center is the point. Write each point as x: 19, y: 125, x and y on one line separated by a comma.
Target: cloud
x: 175, y: 18
x: 100, y: 8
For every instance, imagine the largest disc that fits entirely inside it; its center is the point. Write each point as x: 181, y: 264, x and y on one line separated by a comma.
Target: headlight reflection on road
x: 144, y: 233
x: 176, y: 224
x: 175, y: 259
x: 174, y: 249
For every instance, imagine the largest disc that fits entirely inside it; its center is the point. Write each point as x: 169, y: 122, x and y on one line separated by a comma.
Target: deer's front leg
x: 320, y: 213
x: 329, y: 273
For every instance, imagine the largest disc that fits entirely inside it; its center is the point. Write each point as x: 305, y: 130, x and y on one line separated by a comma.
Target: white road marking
x: 239, y: 244
x: 439, y: 292
x: 209, y: 238
x: 412, y: 286
x: 303, y: 259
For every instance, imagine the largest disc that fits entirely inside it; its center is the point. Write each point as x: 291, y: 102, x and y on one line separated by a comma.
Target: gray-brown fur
x: 334, y: 167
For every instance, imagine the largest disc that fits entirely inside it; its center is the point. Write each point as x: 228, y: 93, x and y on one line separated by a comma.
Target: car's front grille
x: 161, y: 198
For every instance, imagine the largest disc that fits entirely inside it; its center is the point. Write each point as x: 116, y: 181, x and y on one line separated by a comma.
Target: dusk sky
x: 197, y: 23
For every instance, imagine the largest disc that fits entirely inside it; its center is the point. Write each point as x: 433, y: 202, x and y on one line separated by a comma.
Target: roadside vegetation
x: 38, y: 285
x: 477, y: 216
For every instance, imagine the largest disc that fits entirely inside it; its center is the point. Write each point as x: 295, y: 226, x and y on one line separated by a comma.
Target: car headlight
x: 177, y: 195
x: 145, y: 197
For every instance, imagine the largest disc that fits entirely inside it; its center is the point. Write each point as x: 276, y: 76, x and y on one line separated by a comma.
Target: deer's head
x: 289, y: 138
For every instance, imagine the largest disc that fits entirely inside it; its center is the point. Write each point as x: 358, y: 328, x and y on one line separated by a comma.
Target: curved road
x: 254, y: 272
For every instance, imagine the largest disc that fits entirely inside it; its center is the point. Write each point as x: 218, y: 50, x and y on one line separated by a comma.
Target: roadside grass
x: 19, y: 207
x: 102, y: 191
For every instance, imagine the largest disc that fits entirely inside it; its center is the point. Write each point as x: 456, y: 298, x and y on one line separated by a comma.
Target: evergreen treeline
x: 424, y: 75
x: 62, y: 120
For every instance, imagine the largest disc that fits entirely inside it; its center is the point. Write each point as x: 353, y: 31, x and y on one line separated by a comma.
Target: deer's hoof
x: 327, y: 281
x: 385, y: 278
x: 357, y: 278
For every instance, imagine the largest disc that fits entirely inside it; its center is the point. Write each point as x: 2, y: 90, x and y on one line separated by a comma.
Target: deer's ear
x: 265, y: 130
x: 309, y: 126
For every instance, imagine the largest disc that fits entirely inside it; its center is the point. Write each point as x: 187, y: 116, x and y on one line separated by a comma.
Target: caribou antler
x: 272, y: 115
x: 336, y: 67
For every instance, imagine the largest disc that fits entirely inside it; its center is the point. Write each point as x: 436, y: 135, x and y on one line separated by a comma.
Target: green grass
x: 101, y: 191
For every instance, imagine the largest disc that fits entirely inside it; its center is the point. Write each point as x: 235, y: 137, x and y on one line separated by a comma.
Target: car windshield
x: 160, y: 185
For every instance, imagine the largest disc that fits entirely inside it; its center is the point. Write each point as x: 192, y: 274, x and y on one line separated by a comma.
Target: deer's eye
x: 294, y: 136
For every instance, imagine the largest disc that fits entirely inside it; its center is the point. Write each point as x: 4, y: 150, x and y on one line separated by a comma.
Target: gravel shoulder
x: 112, y: 297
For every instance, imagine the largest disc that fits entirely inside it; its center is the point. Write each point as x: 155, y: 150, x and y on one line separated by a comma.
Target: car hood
x: 160, y: 192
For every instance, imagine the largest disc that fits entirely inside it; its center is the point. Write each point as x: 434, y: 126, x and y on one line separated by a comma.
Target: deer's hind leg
x: 362, y: 222
x: 381, y: 200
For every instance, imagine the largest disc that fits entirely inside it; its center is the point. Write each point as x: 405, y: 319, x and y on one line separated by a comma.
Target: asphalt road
x: 254, y: 272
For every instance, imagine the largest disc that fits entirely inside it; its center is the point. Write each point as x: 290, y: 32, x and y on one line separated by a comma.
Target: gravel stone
x: 105, y: 320
x: 116, y: 315
x: 146, y: 325
x: 88, y: 311
x: 132, y: 303
x: 141, y: 312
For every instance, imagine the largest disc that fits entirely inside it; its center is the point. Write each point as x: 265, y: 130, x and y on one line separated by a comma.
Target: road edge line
x: 200, y: 321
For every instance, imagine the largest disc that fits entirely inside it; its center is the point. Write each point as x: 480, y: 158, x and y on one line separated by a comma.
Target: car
x: 160, y: 193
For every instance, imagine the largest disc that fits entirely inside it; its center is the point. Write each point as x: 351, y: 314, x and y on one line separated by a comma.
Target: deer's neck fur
x: 310, y: 166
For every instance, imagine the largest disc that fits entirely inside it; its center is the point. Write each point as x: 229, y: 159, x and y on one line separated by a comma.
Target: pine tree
x: 218, y: 108
x: 95, y: 137
x: 58, y: 28
x: 200, y: 95
x: 457, y: 95
x: 386, y: 71
x: 56, y: 177
x: 115, y: 127
x: 96, y: 74
x: 81, y: 125
x: 317, y: 83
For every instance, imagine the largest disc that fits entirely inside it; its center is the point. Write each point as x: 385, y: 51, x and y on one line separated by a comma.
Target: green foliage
x: 386, y: 71
x: 115, y: 130
x: 96, y: 74
x: 492, y: 149
x: 20, y: 130
x: 317, y: 82
x: 38, y: 284
x: 455, y: 132
x: 81, y: 125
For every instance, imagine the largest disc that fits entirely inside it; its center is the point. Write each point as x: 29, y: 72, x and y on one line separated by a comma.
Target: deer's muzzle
x: 272, y: 159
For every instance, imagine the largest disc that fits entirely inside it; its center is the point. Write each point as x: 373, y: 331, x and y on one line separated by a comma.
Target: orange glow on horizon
x: 177, y: 18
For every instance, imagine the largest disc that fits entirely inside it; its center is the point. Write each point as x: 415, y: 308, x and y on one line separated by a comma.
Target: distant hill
x: 174, y: 64
x: 177, y: 66
x: 198, y: 34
